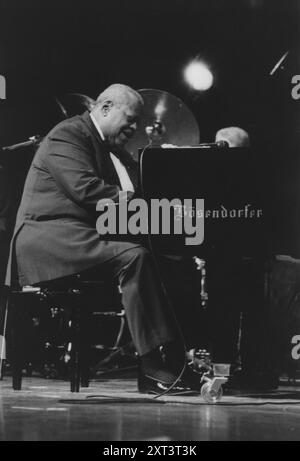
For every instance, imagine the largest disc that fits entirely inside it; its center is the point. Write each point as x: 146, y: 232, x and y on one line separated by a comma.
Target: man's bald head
x: 117, y: 111
x: 119, y: 94
x: 235, y: 136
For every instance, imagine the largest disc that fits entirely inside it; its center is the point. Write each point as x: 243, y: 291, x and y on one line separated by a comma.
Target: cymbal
x: 74, y: 104
x: 165, y: 120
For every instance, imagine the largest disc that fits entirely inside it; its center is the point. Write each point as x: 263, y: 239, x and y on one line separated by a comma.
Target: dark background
x: 48, y: 49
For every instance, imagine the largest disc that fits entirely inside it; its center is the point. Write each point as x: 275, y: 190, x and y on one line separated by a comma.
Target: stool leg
x: 1, y: 369
x: 85, y: 348
x: 19, y: 342
x: 75, y: 354
x: 3, y: 340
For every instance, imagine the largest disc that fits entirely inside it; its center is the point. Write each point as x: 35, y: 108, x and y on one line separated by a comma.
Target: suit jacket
x: 55, y: 233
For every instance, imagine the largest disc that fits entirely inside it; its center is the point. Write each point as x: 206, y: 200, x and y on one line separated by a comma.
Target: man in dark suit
x: 81, y: 161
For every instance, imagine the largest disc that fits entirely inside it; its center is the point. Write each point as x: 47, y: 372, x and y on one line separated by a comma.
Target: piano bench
x: 71, y: 291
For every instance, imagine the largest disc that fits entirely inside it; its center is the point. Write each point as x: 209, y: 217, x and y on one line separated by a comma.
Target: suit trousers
x: 149, y: 314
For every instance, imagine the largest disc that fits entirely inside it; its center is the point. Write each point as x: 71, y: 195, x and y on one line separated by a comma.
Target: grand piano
x: 237, y: 216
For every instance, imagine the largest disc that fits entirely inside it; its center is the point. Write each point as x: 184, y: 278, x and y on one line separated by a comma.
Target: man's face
x: 121, y: 122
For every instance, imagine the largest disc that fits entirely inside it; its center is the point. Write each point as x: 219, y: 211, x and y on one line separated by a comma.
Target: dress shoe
x: 190, y: 377
x: 160, y: 381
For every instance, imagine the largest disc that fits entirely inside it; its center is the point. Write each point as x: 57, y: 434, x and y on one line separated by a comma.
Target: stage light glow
x: 198, y: 76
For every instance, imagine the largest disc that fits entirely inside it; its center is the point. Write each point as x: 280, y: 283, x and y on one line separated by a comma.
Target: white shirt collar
x: 124, y: 178
x: 97, y: 127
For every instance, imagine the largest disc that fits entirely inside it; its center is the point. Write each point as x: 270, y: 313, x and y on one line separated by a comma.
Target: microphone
x: 32, y: 141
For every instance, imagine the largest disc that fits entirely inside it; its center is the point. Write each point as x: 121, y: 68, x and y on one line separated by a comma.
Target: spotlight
x: 198, y: 76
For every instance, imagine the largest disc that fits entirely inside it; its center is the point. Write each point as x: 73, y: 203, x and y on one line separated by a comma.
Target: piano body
x: 237, y: 214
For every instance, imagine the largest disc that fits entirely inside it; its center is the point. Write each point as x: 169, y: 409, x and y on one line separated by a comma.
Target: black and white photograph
x: 149, y: 223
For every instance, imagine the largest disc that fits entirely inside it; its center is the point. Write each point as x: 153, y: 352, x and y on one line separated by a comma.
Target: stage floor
x: 112, y: 410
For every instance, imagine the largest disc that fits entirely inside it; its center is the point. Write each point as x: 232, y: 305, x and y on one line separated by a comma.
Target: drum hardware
x: 201, y: 266
x: 211, y: 390
x: 212, y: 375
